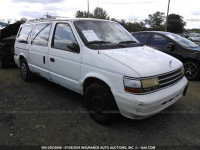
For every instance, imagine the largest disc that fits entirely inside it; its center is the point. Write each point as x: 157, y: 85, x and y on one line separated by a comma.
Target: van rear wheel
x: 100, y: 103
x: 25, y: 72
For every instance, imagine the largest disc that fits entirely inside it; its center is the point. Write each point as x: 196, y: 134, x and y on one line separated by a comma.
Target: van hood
x: 144, y: 60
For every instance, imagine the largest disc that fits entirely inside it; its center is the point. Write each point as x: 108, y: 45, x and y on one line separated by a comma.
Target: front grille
x: 170, y: 78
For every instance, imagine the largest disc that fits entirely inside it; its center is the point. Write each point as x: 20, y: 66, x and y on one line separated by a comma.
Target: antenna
x: 88, y: 9
x: 48, y: 16
x: 167, y: 16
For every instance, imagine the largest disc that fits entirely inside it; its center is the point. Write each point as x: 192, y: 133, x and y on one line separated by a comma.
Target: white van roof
x: 62, y: 19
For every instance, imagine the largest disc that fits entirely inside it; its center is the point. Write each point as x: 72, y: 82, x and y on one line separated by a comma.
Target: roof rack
x: 49, y: 18
x: 57, y: 18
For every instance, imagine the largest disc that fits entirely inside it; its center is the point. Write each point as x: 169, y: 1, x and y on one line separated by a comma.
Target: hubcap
x: 23, y: 70
x: 191, y: 70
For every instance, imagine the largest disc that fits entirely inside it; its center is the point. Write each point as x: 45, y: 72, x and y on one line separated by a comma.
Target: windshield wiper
x: 127, y: 42
x: 97, y: 42
x: 124, y: 43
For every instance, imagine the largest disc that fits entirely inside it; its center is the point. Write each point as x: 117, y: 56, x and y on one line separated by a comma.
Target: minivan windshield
x: 182, y: 41
x: 101, y: 34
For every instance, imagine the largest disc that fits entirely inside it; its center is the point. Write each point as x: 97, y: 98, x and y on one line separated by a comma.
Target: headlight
x: 133, y: 86
x: 140, y: 86
x: 183, y: 71
x: 147, y: 83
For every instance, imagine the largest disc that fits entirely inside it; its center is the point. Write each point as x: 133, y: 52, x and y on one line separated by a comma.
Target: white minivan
x: 102, y: 61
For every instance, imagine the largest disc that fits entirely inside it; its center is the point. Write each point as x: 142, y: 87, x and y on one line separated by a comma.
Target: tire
x: 192, y: 70
x: 100, y: 103
x: 26, y: 74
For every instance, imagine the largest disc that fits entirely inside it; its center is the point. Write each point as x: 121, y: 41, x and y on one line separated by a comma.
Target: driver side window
x: 159, y: 40
x: 63, y: 36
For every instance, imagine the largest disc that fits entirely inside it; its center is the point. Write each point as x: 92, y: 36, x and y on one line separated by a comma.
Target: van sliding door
x: 38, y: 52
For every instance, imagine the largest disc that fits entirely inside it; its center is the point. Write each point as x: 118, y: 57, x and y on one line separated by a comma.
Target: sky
x: 130, y: 10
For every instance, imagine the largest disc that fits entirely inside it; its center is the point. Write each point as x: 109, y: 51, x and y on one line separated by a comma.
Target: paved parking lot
x: 42, y: 113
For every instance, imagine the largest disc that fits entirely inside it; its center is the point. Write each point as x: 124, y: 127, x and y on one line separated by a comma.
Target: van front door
x: 160, y: 43
x: 65, y: 57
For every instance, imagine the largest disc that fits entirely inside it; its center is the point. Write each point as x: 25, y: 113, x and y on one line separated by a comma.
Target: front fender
x: 98, y: 76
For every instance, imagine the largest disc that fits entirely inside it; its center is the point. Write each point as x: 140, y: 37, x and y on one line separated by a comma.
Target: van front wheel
x: 25, y: 72
x: 100, y: 103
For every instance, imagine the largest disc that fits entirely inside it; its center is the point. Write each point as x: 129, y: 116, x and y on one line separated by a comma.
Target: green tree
x: 122, y: 22
x: 192, y: 30
x: 175, y: 23
x: 155, y: 21
x: 133, y: 27
x: 81, y: 14
x: 100, y: 13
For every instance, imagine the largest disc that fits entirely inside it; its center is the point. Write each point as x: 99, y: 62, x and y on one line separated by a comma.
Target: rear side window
x: 41, y: 34
x: 24, y: 34
x: 158, y: 40
x: 141, y: 37
x: 63, y: 36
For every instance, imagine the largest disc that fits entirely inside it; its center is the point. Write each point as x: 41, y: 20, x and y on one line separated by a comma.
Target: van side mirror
x: 74, y: 47
x: 171, y: 46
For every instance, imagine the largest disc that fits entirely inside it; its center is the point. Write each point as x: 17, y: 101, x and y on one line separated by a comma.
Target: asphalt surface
x: 42, y: 113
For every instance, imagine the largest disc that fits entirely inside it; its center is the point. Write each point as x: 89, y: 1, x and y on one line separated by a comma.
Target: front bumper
x: 142, y: 106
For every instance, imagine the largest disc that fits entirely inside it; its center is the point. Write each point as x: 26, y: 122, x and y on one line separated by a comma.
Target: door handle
x: 44, y: 59
x: 52, y: 59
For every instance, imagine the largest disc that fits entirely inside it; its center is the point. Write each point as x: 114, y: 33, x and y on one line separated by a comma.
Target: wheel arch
x: 21, y: 57
x: 88, y: 80
x: 190, y: 59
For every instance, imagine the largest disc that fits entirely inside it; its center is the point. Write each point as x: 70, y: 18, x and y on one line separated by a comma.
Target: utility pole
x: 47, y: 15
x: 167, y: 16
x: 88, y: 10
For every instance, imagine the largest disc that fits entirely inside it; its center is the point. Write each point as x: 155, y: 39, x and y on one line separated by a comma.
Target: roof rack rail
x: 59, y: 17
x: 49, y: 18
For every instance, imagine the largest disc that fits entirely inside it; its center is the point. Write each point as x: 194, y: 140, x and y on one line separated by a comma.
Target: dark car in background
x: 7, y: 40
x: 174, y: 45
x: 7, y: 51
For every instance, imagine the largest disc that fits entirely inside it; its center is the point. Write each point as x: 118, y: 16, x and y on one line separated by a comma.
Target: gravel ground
x: 42, y: 113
